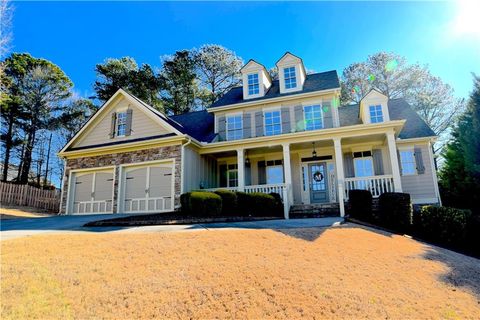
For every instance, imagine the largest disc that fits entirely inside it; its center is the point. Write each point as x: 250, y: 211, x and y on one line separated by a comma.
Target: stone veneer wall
x: 117, y: 159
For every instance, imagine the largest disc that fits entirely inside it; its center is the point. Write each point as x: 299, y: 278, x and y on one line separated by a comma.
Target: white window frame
x: 294, y: 77
x: 258, y: 84
x: 265, y: 111
x: 321, y: 116
x: 376, y: 116
x: 363, y: 157
x: 413, y: 161
x: 232, y: 115
x: 123, y: 124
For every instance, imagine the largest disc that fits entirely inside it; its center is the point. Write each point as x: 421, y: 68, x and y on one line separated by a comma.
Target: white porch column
x: 340, y: 174
x: 392, y: 149
x: 287, y: 168
x: 241, y: 169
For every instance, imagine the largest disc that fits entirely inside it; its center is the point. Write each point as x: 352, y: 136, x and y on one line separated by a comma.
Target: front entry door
x: 318, y: 182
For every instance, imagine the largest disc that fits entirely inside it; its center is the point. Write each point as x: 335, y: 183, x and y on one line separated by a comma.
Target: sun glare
x: 467, y: 20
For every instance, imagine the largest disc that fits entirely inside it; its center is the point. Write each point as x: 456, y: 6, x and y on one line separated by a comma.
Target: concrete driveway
x: 15, y: 228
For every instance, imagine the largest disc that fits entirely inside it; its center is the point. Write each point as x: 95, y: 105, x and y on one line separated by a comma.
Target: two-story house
x: 289, y: 136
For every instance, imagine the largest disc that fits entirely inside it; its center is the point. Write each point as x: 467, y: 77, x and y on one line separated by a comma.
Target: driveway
x: 16, y: 228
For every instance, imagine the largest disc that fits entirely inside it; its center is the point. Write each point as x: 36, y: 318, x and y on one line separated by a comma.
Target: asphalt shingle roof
x: 197, y: 124
x: 313, y: 82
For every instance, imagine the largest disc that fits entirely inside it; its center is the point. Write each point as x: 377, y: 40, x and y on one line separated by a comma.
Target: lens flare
x: 391, y: 65
x: 371, y: 77
x: 325, y: 109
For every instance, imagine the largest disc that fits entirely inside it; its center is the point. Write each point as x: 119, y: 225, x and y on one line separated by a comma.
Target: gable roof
x: 398, y: 109
x: 313, y: 82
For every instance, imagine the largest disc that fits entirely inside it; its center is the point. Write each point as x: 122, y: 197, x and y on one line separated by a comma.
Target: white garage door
x: 92, y: 192
x: 148, y: 188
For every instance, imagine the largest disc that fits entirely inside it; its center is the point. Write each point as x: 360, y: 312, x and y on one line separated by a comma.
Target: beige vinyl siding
x: 142, y: 126
x: 198, y: 169
x: 420, y: 186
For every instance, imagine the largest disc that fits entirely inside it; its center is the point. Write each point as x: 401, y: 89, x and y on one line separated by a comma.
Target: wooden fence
x: 25, y: 195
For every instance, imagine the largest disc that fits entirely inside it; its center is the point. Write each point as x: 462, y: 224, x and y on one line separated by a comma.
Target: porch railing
x: 376, y: 184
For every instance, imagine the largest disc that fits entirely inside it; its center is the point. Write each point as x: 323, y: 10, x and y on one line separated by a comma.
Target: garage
x: 148, y: 188
x: 92, y: 192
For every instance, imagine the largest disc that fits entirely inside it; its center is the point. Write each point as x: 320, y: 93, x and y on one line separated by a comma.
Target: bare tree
x: 6, y: 13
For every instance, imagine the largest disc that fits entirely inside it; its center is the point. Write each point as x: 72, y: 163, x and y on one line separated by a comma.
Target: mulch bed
x: 168, y: 219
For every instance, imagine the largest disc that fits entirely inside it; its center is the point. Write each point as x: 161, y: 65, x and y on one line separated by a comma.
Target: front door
x: 318, y: 182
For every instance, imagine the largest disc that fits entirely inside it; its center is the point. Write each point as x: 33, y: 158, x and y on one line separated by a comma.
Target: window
x: 121, y: 123
x: 313, y: 117
x: 273, y: 124
x: 290, y: 78
x: 363, y: 163
x: 253, y: 86
x: 232, y: 175
x: 376, y: 114
x: 408, y: 164
x: 234, y: 127
x: 274, y: 171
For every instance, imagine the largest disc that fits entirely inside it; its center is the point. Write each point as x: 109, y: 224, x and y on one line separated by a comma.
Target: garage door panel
x: 136, y: 183
x: 83, y: 187
x: 160, y: 182
x: 92, y: 192
x: 103, y: 186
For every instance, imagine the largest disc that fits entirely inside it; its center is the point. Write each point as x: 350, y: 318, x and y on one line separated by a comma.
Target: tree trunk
x: 8, y: 147
x: 27, y: 157
x: 48, y: 160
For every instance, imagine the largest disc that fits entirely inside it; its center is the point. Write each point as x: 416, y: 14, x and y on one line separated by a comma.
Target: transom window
x: 290, y: 77
x: 363, y: 163
x: 313, y: 117
x: 376, y: 114
x: 232, y: 175
x: 273, y: 121
x: 121, y: 123
x: 253, y: 86
x: 408, y: 163
x: 234, y: 127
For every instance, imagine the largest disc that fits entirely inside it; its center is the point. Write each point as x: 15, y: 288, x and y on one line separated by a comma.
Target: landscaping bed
x: 168, y: 219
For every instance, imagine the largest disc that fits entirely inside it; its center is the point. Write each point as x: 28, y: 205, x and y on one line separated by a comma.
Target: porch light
x: 247, y: 159
x: 314, y: 153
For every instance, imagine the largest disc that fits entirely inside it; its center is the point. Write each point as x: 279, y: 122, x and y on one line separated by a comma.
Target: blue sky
x: 327, y: 35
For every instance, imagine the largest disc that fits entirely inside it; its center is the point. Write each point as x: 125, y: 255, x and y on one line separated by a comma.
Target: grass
x: 14, y: 212
x: 344, y: 272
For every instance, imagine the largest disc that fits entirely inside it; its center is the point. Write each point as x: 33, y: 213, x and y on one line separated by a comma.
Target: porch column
x: 392, y: 148
x: 241, y: 169
x: 288, y: 179
x: 340, y: 174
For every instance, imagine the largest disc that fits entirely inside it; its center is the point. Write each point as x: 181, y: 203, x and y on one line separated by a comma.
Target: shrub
x: 244, y: 203
x: 278, y: 211
x: 395, y: 211
x: 185, y: 202
x: 205, y: 204
x: 264, y: 205
x: 360, y: 204
x: 229, y: 202
x: 443, y: 224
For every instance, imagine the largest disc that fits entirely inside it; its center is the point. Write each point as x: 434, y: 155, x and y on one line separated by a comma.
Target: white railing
x: 233, y: 189
x: 376, y: 184
x: 87, y: 207
x: 150, y: 204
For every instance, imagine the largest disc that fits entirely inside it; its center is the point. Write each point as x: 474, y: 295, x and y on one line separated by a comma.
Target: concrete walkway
x: 15, y: 228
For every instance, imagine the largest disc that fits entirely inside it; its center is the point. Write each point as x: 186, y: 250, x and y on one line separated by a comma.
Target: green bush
x: 244, y: 203
x: 229, y: 202
x: 360, y: 204
x: 443, y: 224
x: 263, y: 205
x: 185, y: 202
x: 395, y: 211
x: 278, y: 204
x: 205, y: 204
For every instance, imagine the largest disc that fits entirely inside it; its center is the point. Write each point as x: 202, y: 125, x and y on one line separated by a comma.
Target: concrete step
x: 319, y: 210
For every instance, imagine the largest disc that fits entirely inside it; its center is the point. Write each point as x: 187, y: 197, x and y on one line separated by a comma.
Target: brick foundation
x: 117, y: 159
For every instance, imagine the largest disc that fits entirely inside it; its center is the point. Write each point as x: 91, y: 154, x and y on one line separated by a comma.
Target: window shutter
x: 221, y: 128
x: 128, y: 125
x: 247, y: 125
x: 113, y: 125
x: 327, y: 115
x: 349, y: 168
x: 286, y: 128
x: 299, y: 121
x: 377, y: 162
x: 262, y: 173
x: 223, y: 175
x: 419, y: 160
x: 259, y: 123
x: 399, y: 162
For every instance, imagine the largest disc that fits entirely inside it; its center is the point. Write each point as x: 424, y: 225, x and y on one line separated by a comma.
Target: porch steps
x: 319, y: 210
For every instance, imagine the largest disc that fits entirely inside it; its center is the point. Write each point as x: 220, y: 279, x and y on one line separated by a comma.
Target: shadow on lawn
x: 464, y: 270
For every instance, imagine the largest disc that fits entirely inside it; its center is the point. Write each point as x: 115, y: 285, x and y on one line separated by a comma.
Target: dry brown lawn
x: 14, y: 212
x: 345, y: 272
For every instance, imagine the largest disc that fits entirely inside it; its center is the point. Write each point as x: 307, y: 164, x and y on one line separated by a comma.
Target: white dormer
x: 374, y: 107
x: 256, y: 80
x: 291, y: 73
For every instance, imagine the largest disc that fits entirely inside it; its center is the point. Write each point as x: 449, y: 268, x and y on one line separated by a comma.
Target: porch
x: 315, y: 171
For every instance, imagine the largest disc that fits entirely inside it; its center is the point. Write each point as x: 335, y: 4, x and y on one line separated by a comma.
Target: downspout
x: 62, y: 189
x: 182, y: 157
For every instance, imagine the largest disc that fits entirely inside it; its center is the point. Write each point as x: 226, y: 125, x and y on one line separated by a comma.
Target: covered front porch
x: 317, y: 170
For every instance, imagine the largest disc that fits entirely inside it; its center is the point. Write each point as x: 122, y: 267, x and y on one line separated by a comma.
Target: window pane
x: 121, y: 123
x: 313, y: 117
x: 272, y: 123
x: 290, y: 77
x: 407, y: 159
x: 234, y: 127
x: 376, y: 114
x: 274, y: 174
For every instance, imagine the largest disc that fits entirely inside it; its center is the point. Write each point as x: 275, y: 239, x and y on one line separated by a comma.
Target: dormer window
x: 121, y: 124
x: 290, y: 78
x: 376, y: 114
x: 253, y: 84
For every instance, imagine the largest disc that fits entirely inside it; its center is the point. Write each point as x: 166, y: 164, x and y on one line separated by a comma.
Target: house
x: 288, y: 136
